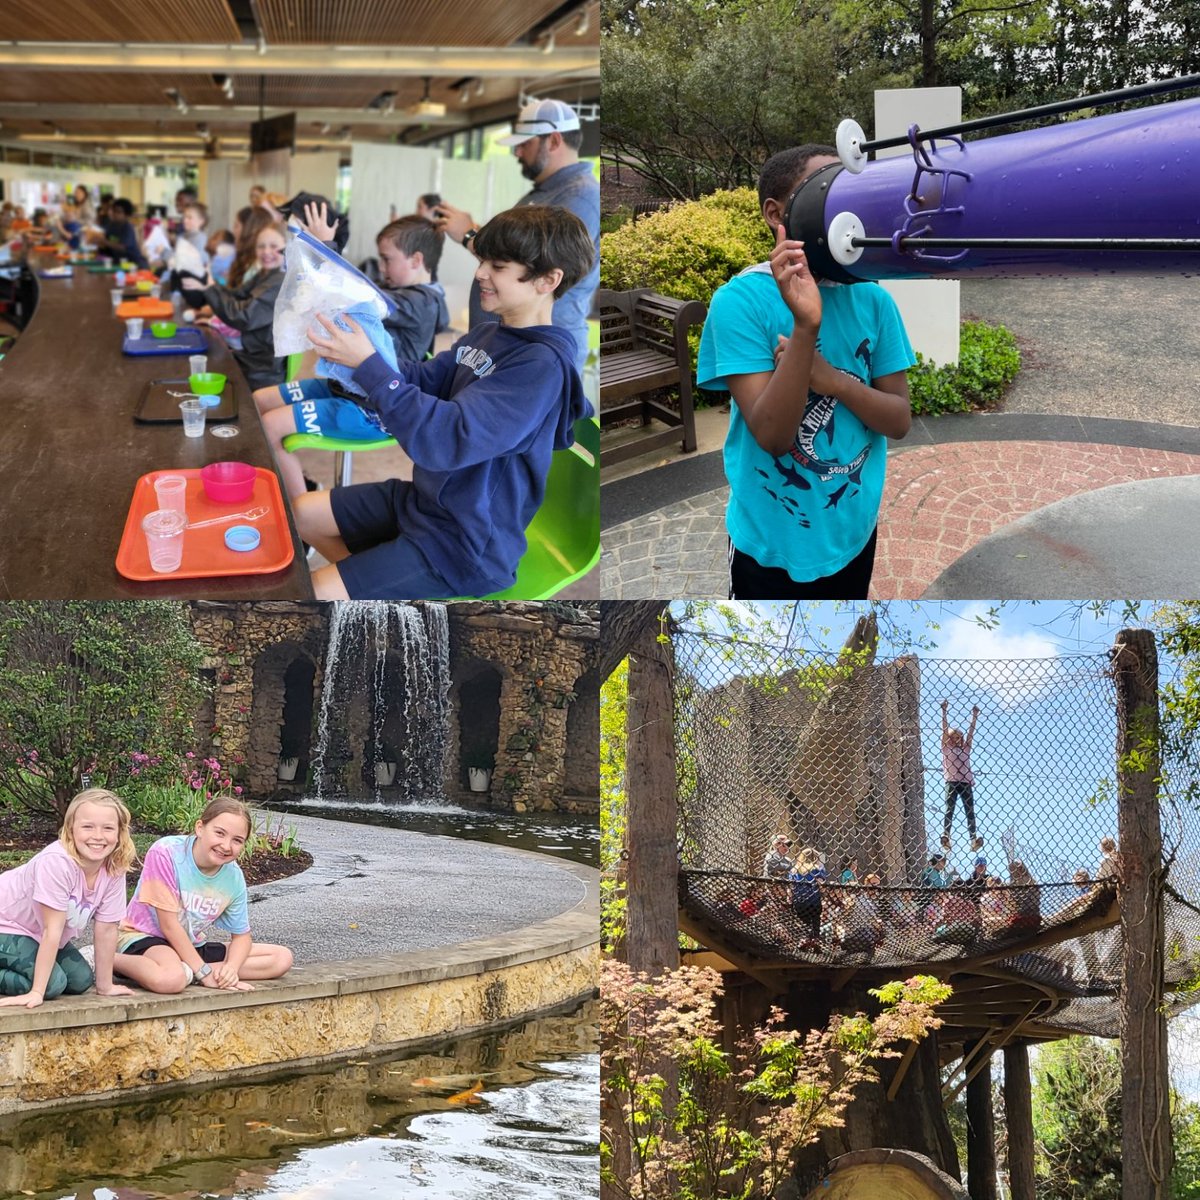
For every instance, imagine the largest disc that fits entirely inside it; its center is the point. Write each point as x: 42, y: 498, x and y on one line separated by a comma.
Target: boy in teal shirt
x: 817, y: 376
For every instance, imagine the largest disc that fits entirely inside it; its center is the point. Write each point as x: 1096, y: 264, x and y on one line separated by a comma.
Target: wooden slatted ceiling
x: 193, y: 21
x: 400, y: 22
x: 280, y: 91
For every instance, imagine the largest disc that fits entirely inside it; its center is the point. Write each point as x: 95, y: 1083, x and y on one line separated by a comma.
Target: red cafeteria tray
x: 204, y: 551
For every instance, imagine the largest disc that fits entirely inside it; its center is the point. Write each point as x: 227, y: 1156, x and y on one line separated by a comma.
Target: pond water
x: 513, y: 1113
x: 563, y: 835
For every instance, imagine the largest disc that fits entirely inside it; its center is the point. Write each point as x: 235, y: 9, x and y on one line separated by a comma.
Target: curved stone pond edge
x: 105, y: 1048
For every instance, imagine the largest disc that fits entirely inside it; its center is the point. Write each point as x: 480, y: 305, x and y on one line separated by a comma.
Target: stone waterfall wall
x: 540, y: 658
x: 541, y: 651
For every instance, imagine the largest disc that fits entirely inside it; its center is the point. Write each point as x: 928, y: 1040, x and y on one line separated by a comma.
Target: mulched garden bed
x: 32, y: 832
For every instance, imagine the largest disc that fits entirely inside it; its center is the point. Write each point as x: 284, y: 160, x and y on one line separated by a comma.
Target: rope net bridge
x: 843, y: 815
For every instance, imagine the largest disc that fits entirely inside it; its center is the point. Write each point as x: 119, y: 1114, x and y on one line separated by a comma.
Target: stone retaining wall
x: 94, y: 1047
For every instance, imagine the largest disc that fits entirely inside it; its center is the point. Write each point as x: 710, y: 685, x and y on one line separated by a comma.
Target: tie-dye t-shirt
x: 171, y: 880
x: 53, y: 878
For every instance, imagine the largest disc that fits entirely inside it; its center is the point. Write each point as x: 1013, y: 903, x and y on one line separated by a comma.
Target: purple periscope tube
x: 1104, y: 180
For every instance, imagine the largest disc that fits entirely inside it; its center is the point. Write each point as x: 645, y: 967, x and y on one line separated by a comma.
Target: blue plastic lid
x: 242, y: 537
x: 210, y: 401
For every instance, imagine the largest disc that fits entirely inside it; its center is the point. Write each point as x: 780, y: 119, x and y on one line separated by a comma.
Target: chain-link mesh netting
x: 842, y: 811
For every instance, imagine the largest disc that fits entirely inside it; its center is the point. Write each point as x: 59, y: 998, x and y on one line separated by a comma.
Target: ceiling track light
x: 479, y: 87
x: 583, y: 24
x: 548, y: 43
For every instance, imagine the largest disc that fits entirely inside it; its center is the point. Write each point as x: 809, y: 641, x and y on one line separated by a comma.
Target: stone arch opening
x: 281, y: 727
x: 581, y: 768
x: 478, y: 722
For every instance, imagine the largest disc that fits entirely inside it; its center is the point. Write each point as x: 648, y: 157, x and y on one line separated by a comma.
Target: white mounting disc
x: 844, y: 227
x: 850, y: 138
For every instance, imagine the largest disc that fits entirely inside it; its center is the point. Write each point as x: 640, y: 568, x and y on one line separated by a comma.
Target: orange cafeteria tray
x: 145, y: 306
x: 204, y: 551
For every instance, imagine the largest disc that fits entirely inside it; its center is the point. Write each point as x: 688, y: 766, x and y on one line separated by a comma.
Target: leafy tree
x: 697, y: 96
x: 730, y: 1125
x: 614, y: 702
x: 87, y: 686
x: 1077, y: 1120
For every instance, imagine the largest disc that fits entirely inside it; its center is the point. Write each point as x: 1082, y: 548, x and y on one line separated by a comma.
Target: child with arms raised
x: 190, y: 883
x: 47, y: 902
x: 480, y: 422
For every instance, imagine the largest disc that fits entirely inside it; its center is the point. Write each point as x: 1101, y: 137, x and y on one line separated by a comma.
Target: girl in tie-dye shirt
x: 191, y: 883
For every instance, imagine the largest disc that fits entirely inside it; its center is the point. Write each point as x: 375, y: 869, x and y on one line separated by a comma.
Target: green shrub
x: 687, y: 250
x: 988, y: 361
x: 615, y: 219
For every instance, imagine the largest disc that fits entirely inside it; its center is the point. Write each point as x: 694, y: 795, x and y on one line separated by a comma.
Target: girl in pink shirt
x: 960, y: 779
x: 47, y: 902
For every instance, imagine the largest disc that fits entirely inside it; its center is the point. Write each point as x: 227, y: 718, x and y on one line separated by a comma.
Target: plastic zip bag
x: 187, y: 260
x: 318, y: 280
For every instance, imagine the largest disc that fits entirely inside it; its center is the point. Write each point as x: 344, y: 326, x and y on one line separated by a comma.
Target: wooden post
x: 1145, y: 1118
x: 651, y: 830
x: 1018, y: 1117
x: 981, y: 1134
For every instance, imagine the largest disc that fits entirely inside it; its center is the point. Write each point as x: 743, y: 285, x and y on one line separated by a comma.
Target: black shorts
x: 210, y: 952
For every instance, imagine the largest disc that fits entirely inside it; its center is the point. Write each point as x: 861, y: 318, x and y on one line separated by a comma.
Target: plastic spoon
x: 252, y: 514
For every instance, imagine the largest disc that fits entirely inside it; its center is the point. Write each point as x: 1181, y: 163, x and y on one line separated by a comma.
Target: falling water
x: 370, y: 642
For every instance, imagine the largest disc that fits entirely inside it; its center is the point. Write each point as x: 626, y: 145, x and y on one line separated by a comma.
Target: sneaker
x: 88, y: 954
x: 946, y: 844
x: 977, y: 843
x: 309, y: 551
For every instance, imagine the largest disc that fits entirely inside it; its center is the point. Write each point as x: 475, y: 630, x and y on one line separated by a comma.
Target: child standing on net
x: 808, y: 428
x: 47, y: 902
x: 409, y: 250
x: 189, y: 884
x: 960, y: 779
x: 480, y: 423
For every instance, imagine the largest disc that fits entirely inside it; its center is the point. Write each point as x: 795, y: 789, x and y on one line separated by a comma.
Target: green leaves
x: 988, y: 362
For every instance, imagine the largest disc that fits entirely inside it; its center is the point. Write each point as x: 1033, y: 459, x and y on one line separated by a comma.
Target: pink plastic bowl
x: 228, y: 482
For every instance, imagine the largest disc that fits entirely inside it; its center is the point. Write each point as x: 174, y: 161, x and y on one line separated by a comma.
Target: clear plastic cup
x: 164, y: 539
x: 172, y: 492
x: 156, y: 291
x: 193, y: 418
x: 116, y: 295
x: 119, y: 279
x: 197, y: 364
x: 134, y: 327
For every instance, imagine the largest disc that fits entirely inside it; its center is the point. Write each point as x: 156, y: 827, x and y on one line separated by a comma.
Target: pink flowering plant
x: 83, y: 686
x: 684, y: 1119
x: 175, y: 804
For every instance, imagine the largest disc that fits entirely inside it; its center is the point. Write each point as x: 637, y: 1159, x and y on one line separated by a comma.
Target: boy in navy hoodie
x: 480, y: 422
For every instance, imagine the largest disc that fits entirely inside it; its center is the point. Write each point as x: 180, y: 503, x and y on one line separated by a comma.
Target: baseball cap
x: 538, y: 118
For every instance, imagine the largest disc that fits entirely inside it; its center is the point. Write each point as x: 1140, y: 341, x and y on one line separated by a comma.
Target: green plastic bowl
x: 210, y: 383
x: 162, y: 329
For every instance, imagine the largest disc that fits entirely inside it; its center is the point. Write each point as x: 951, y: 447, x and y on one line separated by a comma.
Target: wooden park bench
x: 644, y: 347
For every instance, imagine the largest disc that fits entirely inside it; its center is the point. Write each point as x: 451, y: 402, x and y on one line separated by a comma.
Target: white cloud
x: 988, y: 653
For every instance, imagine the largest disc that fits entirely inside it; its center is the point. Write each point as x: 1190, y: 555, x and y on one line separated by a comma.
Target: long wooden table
x: 71, y: 452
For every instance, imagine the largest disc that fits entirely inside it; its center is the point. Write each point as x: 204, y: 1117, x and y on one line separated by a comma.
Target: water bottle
x: 177, y: 302
x: 119, y: 279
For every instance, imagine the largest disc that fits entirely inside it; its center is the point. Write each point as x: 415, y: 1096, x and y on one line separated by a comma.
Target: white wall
x: 67, y: 178
x: 225, y: 182
x: 929, y: 307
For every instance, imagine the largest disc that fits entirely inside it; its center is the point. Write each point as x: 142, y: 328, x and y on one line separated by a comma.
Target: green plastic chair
x: 564, y: 535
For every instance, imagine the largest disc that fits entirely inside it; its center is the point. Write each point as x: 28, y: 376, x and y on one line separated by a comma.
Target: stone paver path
x: 939, y: 502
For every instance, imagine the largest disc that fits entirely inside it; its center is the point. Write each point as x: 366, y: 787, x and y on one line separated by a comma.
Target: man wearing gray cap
x: 545, y: 140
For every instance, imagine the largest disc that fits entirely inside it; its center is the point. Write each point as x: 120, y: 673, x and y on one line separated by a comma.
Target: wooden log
x: 1145, y: 1118
x: 981, y: 1133
x: 1018, y: 1119
x: 878, y: 1174
x: 651, y: 830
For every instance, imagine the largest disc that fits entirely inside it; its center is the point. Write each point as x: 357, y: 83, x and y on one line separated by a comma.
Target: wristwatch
x: 205, y: 971
x: 469, y: 236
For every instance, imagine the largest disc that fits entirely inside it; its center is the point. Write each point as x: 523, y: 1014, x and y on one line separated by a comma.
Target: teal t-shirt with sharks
x: 812, y: 510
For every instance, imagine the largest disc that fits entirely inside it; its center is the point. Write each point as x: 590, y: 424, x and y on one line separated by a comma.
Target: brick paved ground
x: 942, y: 500
x: 938, y: 503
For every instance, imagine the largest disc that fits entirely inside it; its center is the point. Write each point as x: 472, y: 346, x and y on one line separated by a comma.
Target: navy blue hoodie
x: 480, y: 422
